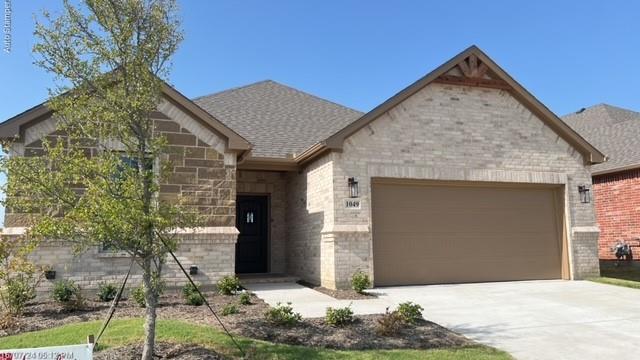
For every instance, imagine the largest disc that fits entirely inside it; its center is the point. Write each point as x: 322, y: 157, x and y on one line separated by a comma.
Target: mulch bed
x: 162, y: 351
x: 359, y: 335
x: 250, y: 322
x: 339, y: 294
x: 48, y: 314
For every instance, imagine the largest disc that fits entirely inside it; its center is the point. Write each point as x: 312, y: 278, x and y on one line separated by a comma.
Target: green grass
x: 624, y: 275
x: 121, y: 332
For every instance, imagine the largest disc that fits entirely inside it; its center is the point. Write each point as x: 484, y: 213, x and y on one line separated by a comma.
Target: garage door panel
x: 398, y: 220
x: 434, y: 233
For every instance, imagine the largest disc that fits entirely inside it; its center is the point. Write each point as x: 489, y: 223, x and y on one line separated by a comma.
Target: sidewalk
x: 310, y: 303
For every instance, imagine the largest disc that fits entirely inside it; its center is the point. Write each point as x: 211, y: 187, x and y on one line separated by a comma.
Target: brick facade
x: 617, y: 203
x: 443, y: 132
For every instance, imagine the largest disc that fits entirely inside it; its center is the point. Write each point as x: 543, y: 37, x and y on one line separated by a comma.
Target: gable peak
x: 472, y: 70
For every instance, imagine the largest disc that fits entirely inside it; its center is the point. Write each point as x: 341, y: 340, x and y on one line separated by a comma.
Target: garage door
x: 430, y: 233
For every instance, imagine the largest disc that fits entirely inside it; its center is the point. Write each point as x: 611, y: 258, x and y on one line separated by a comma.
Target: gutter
x: 615, y: 170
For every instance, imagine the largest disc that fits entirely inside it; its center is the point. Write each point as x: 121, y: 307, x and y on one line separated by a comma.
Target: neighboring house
x: 461, y: 177
x: 616, y: 183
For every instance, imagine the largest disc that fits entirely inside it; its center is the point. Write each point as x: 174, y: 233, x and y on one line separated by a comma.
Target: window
x: 249, y: 217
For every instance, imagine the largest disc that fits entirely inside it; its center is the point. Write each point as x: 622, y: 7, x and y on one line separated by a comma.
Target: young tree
x: 96, y: 181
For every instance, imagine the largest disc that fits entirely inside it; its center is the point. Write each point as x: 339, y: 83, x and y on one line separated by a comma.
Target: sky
x: 569, y: 54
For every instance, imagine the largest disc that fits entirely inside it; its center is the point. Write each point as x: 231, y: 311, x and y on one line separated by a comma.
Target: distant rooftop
x: 614, y: 131
x: 278, y: 120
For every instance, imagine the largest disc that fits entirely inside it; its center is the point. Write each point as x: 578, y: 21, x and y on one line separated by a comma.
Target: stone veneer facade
x: 442, y: 132
x: 203, y: 177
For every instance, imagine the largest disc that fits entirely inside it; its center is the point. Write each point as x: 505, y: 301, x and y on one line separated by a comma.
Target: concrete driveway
x: 536, y: 319
x: 529, y: 319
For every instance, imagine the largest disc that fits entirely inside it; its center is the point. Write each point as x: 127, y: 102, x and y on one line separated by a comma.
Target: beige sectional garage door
x: 430, y: 233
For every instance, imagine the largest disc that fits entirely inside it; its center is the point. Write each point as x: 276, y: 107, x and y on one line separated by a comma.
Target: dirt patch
x: 339, y: 294
x: 48, y: 314
x: 359, y: 335
x: 163, y: 351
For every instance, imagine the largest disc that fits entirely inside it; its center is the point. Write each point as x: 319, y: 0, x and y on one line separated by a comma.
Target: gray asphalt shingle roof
x: 278, y: 120
x: 613, y: 130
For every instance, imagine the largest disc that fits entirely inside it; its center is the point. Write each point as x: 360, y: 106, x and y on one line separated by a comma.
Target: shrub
x: 282, y: 315
x: 18, y: 292
x: 410, y: 312
x: 245, y: 298
x: 138, y: 293
x: 67, y: 293
x: 230, y: 309
x: 138, y: 296
x: 18, y: 275
x: 339, y: 316
x: 191, y: 294
x: 7, y: 321
x: 107, y: 291
x: 389, y: 324
x: 360, y: 281
x: 228, y: 285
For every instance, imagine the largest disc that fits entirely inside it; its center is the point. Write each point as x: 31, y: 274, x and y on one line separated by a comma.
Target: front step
x: 266, y: 278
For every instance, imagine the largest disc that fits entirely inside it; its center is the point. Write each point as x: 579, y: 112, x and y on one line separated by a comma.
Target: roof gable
x: 473, y: 68
x: 14, y: 127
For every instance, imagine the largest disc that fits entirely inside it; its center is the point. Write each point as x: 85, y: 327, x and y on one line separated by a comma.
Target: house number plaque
x: 353, y: 204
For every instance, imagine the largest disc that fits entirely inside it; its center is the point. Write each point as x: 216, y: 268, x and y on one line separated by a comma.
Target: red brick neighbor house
x: 616, y: 183
x: 463, y: 176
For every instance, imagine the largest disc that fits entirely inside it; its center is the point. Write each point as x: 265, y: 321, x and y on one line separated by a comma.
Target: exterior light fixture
x: 353, y: 187
x: 585, y: 197
x: 50, y: 274
x: 193, y: 270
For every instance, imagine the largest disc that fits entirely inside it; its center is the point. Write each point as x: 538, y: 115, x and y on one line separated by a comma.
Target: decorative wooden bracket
x: 471, y: 71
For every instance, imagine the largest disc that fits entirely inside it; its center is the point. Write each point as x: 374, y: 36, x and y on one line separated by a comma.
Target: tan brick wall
x: 203, y: 177
x: 212, y: 253
x: 447, y: 132
x: 309, y: 210
x: 273, y: 184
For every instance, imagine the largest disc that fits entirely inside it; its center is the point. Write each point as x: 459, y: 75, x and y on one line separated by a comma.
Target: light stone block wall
x: 212, y: 253
x: 273, y: 184
x: 448, y: 132
x: 309, y: 210
x: 203, y: 177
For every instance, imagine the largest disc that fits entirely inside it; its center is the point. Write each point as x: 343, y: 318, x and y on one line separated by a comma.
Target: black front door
x: 251, y: 221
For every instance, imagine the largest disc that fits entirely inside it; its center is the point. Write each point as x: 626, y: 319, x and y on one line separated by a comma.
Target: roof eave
x: 616, y: 169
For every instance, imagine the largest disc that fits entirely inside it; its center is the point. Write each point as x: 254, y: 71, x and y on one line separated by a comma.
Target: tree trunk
x: 150, y: 312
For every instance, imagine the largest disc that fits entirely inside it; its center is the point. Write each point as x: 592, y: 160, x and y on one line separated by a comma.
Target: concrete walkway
x: 310, y: 303
x: 529, y: 319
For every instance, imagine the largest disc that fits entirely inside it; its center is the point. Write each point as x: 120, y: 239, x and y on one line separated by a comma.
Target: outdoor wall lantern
x: 353, y: 187
x: 193, y: 270
x: 585, y: 197
x: 50, y: 274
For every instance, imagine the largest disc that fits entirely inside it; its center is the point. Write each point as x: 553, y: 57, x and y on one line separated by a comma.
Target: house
x: 616, y: 183
x: 463, y: 176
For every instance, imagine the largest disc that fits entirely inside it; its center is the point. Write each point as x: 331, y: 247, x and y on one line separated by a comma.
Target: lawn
x: 121, y: 332
x: 624, y: 275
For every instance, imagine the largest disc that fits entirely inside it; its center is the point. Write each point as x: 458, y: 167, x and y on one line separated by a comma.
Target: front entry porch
x: 260, y: 219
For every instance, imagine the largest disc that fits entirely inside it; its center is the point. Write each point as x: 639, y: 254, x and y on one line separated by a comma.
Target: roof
x: 613, y: 130
x: 13, y: 128
x: 475, y: 58
x: 279, y: 121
